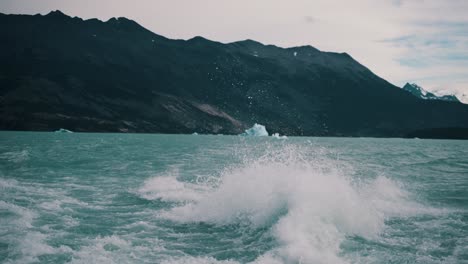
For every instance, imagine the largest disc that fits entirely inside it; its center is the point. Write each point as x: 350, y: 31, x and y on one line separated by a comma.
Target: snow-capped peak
x: 420, y: 92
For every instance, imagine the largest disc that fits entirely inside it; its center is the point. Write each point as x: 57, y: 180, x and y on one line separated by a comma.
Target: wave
x: 169, y: 189
x: 15, y: 156
x: 308, y: 203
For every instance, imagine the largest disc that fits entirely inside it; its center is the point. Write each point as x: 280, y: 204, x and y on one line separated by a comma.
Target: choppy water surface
x: 122, y: 198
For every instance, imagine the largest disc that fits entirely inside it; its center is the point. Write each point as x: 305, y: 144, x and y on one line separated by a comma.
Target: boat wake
x: 308, y: 203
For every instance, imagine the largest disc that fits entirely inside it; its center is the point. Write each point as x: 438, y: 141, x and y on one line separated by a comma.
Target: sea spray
x: 306, y: 201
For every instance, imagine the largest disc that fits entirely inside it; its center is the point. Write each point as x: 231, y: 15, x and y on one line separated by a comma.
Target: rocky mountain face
x: 419, y: 92
x: 87, y: 75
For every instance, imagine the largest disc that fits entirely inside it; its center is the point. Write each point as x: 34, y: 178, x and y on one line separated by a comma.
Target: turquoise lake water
x: 135, y: 198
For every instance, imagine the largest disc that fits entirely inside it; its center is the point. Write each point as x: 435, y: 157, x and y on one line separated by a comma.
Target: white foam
x: 18, y: 230
x: 169, y: 189
x: 54, y: 205
x: 24, y: 216
x: 7, y: 183
x: 116, y: 249
x: 309, y: 205
x: 103, y: 250
x: 34, y: 245
x: 16, y: 156
x: 390, y: 198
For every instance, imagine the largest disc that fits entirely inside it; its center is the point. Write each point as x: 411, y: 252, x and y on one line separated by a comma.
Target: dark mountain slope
x: 57, y: 71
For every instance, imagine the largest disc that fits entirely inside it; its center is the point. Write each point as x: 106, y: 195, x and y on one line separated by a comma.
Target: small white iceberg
x: 256, y: 131
x: 63, y: 130
x: 277, y: 135
x: 195, y: 134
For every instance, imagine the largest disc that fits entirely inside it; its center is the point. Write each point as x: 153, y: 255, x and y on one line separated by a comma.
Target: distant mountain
x: 88, y: 75
x: 419, y: 92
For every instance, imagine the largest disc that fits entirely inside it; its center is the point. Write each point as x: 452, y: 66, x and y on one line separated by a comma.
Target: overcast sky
x: 422, y: 41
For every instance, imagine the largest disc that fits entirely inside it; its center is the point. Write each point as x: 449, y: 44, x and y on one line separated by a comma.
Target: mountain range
x: 59, y: 71
x: 421, y: 93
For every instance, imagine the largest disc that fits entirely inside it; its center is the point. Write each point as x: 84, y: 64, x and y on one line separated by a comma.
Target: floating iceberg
x: 63, y: 130
x: 257, y: 131
x: 195, y: 133
x: 277, y: 135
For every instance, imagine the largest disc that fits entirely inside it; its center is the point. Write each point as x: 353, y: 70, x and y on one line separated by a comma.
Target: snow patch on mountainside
x: 421, y: 93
